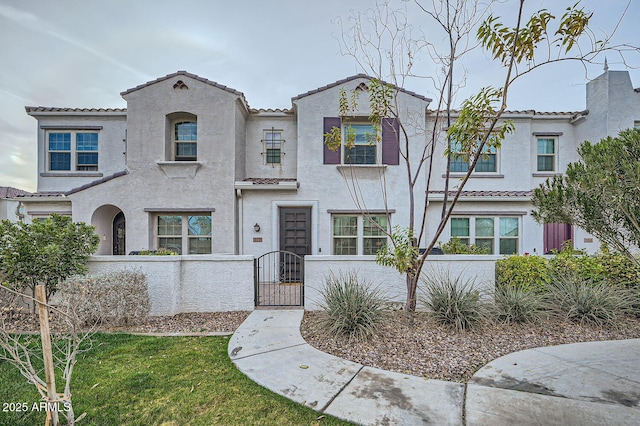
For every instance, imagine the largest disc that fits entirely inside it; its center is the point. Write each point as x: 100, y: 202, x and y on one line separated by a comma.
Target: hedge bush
x: 115, y: 298
x: 529, y: 273
x: 534, y: 273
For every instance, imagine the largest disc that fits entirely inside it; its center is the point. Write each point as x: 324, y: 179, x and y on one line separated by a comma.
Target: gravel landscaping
x: 432, y: 351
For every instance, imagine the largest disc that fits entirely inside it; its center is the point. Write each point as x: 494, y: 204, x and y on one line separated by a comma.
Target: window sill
x: 475, y: 175
x: 179, y: 169
x: 71, y: 174
x: 361, y: 166
x: 546, y: 174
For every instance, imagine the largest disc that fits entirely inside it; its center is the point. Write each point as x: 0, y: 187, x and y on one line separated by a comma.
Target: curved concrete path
x: 581, y: 384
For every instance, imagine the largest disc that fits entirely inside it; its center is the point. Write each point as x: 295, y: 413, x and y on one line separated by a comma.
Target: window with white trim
x: 75, y: 150
x: 185, y: 140
x: 272, y: 150
x: 359, y: 234
x: 460, y: 161
x: 364, y: 149
x: 498, y: 234
x: 184, y: 234
x: 546, y: 154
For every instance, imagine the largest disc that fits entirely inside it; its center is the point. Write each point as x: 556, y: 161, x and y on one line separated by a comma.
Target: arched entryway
x: 110, y: 225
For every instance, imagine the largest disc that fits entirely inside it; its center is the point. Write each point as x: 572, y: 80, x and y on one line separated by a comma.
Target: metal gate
x: 279, y: 279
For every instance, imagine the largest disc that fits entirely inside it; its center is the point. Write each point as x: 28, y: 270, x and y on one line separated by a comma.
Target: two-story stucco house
x: 189, y: 166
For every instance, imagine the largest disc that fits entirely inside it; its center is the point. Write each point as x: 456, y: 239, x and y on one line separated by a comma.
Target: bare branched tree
x: 384, y: 45
x: 24, y: 351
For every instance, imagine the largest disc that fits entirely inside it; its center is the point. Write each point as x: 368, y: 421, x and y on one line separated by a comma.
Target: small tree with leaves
x: 382, y: 43
x: 44, y: 252
x: 600, y: 193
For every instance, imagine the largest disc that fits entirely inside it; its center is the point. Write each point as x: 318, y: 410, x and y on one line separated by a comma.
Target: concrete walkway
x: 580, y: 384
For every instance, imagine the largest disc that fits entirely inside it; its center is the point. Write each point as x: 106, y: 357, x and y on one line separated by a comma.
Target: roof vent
x: 180, y: 85
x: 363, y: 87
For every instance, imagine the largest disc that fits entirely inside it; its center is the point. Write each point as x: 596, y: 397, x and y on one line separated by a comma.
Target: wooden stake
x: 47, y: 354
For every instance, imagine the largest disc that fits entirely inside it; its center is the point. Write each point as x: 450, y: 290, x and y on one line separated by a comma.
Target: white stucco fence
x: 210, y: 283
x: 480, y: 269
x: 216, y: 283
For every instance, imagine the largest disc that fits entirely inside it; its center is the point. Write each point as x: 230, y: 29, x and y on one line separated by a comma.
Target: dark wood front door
x: 295, y: 230
x: 295, y: 237
x: 119, y: 235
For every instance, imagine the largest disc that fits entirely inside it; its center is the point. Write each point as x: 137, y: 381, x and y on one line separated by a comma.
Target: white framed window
x: 272, y: 150
x: 184, y: 234
x: 73, y: 150
x: 365, y: 148
x: 185, y: 140
x: 498, y: 234
x: 460, y: 161
x: 356, y: 234
x: 546, y: 154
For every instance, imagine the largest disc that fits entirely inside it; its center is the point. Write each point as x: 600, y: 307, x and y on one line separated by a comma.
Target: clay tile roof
x: 187, y: 74
x: 96, y: 182
x: 41, y: 194
x: 353, y: 77
x: 278, y: 110
x: 31, y: 109
x: 270, y: 181
x: 9, y: 192
x: 487, y: 193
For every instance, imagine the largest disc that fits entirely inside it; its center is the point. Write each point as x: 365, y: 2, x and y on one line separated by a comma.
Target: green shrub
x: 618, y: 269
x: 454, y: 302
x: 529, y: 273
x: 115, y: 298
x: 456, y: 246
x: 516, y: 305
x: 354, y: 308
x: 577, y: 263
x: 581, y: 300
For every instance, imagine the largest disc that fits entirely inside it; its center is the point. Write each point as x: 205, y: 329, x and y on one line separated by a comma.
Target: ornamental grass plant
x: 354, y: 307
x: 454, y: 302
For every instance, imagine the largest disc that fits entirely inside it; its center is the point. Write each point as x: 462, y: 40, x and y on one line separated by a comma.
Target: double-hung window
x: 546, y: 154
x: 72, y: 151
x: 497, y: 234
x: 186, y: 140
x: 362, y: 137
x: 87, y: 151
x: 359, y: 234
x: 273, y: 147
x: 185, y: 234
x: 460, y: 161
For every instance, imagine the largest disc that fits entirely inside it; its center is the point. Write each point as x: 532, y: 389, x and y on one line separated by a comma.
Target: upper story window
x: 460, y: 161
x: 546, y: 154
x: 72, y: 151
x: 364, y: 149
x: 368, y: 147
x: 273, y: 147
x: 185, y: 140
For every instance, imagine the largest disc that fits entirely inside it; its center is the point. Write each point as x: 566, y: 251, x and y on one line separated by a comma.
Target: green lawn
x: 140, y: 380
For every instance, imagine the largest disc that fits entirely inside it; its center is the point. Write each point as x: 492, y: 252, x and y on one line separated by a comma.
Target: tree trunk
x: 412, y: 286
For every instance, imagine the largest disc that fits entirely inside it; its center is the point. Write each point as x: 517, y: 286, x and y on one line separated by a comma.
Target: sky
x: 83, y: 53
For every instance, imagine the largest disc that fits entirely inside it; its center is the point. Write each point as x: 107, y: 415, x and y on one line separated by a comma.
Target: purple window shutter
x: 330, y: 157
x: 390, y: 141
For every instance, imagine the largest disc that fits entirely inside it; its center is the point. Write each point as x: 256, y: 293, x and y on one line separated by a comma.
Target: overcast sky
x: 83, y: 53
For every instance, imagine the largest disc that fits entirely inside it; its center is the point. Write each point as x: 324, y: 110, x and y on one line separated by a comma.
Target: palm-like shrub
x: 454, y: 302
x: 354, y: 307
